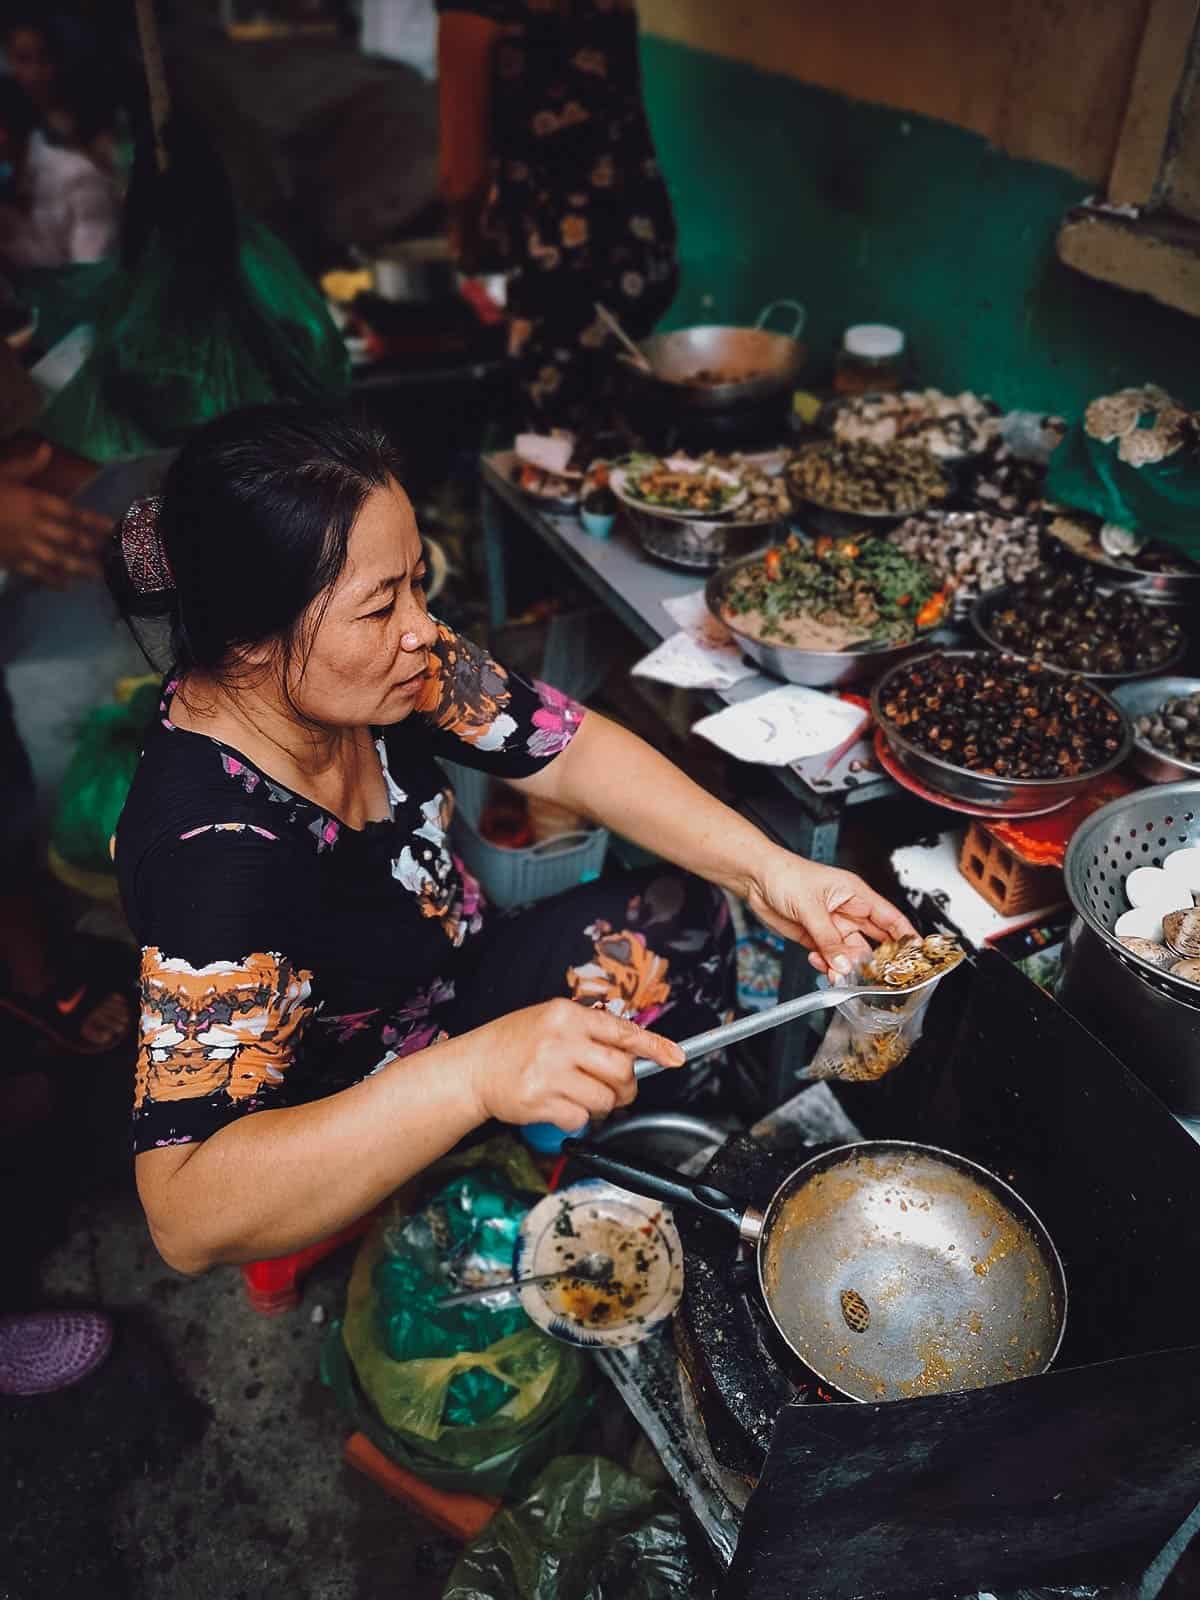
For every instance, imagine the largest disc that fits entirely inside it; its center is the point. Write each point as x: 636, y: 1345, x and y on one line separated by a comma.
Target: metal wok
x: 770, y: 362
x: 892, y: 1270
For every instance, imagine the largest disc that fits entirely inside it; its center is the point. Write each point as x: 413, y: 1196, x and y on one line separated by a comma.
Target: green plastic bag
x: 97, y: 780
x: 588, y: 1531
x: 1134, y: 459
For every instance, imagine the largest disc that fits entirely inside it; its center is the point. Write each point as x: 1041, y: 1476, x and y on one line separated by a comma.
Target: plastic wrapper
x: 588, y: 1531
x: 867, y: 1038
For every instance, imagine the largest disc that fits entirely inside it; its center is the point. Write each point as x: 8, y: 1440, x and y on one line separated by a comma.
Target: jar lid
x: 874, y: 340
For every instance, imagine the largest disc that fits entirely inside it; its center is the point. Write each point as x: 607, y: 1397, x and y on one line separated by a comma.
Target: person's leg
x: 655, y: 945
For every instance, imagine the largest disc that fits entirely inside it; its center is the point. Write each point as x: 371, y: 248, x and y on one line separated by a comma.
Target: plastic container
x: 520, y: 877
x: 546, y: 1139
x: 871, y: 360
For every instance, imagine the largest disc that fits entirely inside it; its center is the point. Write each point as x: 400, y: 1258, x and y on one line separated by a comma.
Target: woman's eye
x: 418, y: 579
x: 384, y: 611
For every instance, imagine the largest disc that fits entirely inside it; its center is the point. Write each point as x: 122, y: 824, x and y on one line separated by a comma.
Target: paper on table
x: 782, y: 726
x: 702, y: 655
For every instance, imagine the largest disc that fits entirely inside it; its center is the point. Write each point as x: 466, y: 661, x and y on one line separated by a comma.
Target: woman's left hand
x: 830, y: 911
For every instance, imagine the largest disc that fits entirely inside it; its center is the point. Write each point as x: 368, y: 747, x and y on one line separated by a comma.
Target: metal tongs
x: 703, y: 1044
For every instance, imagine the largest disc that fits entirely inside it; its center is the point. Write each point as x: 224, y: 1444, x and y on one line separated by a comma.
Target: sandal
x: 62, y: 1015
x: 50, y: 1350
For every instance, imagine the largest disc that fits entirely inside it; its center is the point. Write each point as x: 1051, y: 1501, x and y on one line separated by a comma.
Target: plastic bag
x: 866, y: 1039
x: 1133, y: 459
x: 485, y: 1398
x: 97, y: 780
x: 588, y: 1531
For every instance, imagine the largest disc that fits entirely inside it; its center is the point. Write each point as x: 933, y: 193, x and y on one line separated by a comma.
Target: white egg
x: 1151, y: 886
x: 1184, y: 867
x: 1144, y: 922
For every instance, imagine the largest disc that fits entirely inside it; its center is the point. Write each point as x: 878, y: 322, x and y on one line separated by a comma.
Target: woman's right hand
x: 561, y: 1062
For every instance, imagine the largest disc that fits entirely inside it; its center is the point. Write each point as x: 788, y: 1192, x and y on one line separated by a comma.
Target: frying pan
x: 893, y: 1270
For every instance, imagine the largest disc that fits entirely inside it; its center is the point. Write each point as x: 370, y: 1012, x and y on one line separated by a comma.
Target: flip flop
x: 51, y: 1350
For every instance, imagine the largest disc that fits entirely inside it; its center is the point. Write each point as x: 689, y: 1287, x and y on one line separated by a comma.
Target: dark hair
x: 17, y: 111
x: 256, y: 515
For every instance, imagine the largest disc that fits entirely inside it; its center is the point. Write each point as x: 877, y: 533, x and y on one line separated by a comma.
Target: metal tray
x: 1140, y: 699
x: 992, y: 600
x: 1001, y: 795
x: 818, y: 669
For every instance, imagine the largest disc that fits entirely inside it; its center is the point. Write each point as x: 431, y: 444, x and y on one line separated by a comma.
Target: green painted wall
x: 865, y: 214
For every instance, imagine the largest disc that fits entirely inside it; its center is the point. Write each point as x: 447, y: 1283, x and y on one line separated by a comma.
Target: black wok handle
x: 659, y: 1183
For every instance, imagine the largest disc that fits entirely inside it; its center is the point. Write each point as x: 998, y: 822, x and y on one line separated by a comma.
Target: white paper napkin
x: 702, y: 655
x: 783, y: 725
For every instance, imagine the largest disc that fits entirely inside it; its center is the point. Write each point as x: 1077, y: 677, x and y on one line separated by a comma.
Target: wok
x: 774, y: 361
x: 892, y: 1270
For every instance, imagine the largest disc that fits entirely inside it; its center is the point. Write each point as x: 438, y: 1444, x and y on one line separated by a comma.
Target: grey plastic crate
x: 519, y: 877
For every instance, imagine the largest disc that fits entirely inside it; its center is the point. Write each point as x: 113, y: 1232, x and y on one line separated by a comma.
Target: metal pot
x: 1004, y: 796
x: 774, y: 360
x: 892, y: 1270
x: 1147, y: 1017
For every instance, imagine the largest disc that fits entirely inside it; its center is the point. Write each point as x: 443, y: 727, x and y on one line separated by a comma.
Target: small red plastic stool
x: 273, y: 1286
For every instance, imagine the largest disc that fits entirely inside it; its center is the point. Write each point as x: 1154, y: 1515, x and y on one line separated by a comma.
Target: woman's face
x: 31, y: 64
x: 364, y: 645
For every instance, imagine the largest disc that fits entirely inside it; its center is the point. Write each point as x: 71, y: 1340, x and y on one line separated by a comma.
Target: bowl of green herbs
x: 827, y: 612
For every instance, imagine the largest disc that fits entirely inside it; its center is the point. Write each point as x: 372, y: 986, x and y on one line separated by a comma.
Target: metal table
x: 632, y: 588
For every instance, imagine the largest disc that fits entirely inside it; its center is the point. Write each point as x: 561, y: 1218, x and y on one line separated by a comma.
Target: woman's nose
x: 421, y: 636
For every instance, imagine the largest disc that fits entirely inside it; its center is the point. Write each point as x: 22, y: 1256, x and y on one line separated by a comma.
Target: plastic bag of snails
x: 868, y: 1036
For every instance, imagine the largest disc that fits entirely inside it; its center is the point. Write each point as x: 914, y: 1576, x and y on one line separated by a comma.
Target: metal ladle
x: 703, y: 1044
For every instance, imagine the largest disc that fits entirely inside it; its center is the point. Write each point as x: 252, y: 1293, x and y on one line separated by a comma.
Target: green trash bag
x: 206, y: 312
x: 1134, y: 459
x: 588, y: 1531
x: 97, y: 780
x: 468, y: 1397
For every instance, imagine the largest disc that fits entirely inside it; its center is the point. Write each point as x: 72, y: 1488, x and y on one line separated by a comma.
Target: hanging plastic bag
x: 588, y: 1531
x: 1134, y: 459
x: 97, y: 780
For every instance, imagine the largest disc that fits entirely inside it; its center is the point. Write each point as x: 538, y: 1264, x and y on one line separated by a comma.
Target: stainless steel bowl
x: 773, y: 362
x: 1181, y: 589
x: 1149, y: 1018
x: 993, y: 600
x: 818, y: 669
x: 700, y: 546
x: 1004, y: 796
x: 1142, y: 699
x: 815, y: 516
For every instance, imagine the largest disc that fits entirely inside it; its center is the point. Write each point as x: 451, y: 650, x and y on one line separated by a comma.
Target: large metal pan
x: 772, y: 362
x: 892, y: 1270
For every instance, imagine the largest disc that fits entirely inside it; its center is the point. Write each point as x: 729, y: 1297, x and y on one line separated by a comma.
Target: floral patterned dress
x: 578, y: 209
x: 286, y: 956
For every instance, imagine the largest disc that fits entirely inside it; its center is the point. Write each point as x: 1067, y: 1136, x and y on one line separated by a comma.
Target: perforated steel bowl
x: 1148, y: 1017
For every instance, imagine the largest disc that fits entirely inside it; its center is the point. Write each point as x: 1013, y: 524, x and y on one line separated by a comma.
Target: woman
x: 327, y: 1007
x: 56, y: 207
x: 547, y: 158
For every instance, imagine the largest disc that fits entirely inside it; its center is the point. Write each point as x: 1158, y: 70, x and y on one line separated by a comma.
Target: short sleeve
x: 224, y: 1002
x: 484, y: 716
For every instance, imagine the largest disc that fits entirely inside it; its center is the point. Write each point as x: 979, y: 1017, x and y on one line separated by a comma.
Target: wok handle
x: 659, y: 1183
x: 801, y: 315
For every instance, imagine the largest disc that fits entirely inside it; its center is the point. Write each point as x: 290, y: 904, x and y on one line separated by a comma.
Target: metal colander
x: 1136, y: 831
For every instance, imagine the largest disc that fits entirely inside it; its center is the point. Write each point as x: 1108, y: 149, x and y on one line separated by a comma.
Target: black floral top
x: 576, y: 184
x: 286, y: 956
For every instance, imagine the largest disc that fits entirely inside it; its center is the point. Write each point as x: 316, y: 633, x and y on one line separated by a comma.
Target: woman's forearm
x: 276, y: 1181
x: 620, y: 781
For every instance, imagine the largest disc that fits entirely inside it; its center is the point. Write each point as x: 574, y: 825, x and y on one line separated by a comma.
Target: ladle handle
x: 703, y: 1044
x: 659, y: 1183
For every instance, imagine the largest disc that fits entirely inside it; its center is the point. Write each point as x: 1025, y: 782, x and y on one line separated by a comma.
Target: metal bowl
x: 1148, y: 1017
x: 1001, y: 795
x: 699, y: 546
x: 1180, y: 589
x: 818, y: 669
x: 817, y: 517
x: 993, y: 600
x: 1142, y: 699
x: 775, y: 361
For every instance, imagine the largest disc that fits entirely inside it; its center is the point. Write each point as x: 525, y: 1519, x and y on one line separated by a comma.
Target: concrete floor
x: 252, y: 1499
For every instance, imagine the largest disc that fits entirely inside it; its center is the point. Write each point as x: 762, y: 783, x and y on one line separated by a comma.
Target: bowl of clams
x: 840, y: 488
x: 1165, y: 713
x: 1064, y: 621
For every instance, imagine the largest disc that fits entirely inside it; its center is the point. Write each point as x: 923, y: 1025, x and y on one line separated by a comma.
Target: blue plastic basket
x: 519, y: 877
